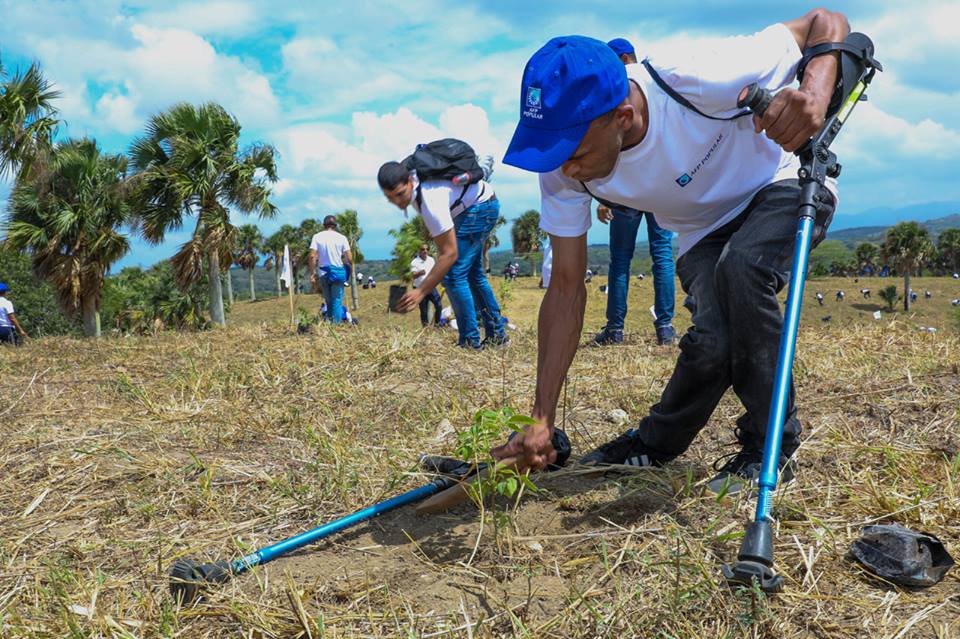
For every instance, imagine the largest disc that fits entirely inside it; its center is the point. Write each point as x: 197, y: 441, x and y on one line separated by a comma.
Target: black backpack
x: 446, y: 159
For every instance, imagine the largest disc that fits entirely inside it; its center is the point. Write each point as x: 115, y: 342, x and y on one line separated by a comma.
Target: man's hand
x: 604, y: 214
x: 533, y: 448
x: 409, y: 301
x: 793, y: 117
x: 314, y: 282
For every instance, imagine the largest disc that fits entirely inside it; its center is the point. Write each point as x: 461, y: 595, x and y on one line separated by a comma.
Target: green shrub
x: 34, y: 301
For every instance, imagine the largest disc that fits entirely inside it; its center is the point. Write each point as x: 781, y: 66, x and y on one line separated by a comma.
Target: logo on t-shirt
x: 687, y: 178
x: 533, y: 103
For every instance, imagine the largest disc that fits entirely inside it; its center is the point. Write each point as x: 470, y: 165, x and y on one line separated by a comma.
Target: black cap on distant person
x: 330, y: 222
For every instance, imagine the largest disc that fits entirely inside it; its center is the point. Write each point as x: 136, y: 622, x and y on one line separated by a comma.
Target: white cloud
x: 220, y: 18
x: 118, y: 112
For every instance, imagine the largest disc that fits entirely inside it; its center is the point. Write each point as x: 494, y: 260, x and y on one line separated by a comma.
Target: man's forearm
x: 559, y: 327
x: 820, y: 74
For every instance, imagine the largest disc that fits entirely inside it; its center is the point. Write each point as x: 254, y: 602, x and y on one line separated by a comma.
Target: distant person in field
x: 865, y: 292
x: 624, y: 224
x: 666, y: 136
x: 9, y: 326
x: 420, y: 267
x: 460, y: 218
x: 372, y: 283
x: 329, y: 255
x: 927, y: 294
x: 840, y: 296
x: 819, y: 298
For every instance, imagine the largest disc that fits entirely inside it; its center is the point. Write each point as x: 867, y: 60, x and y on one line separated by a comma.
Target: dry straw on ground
x: 122, y: 455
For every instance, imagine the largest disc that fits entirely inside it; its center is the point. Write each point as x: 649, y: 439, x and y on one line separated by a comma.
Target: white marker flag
x: 286, y: 272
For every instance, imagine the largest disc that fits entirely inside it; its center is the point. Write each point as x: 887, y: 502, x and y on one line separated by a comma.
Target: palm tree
x: 949, y: 246
x: 907, y: 246
x: 68, y: 218
x: 27, y: 124
x: 188, y: 163
x: 300, y: 249
x: 492, y: 242
x: 867, y: 253
x: 349, y: 225
x: 250, y: 244
x: 527, y: 237
x: 274, y: 248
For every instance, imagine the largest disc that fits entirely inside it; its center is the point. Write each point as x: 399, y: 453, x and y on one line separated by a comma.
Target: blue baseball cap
x: 621, y: 46
x: 4, y: 288
x: 567, y: 83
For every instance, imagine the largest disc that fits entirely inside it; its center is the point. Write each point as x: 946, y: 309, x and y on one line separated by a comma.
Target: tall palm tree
x: 68, y: 217
x: 287, y: 235
x: 492, y: 242
x: 189, y: 163
x: 250, y: 245
x: 907, y: 246
x: 867, y: 253
x: 349, y: 225
x: 27, y: 122
x: 300, y: 249
x: 949, y: 246
x: 527, y: 237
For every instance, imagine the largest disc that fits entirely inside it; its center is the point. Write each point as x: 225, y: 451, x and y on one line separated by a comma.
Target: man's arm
x: 559, y: 328
x: 314, y: 280
x: 16, y: 324
x: 794, y: 116
x: 447, y: 255
x: 347, y: 257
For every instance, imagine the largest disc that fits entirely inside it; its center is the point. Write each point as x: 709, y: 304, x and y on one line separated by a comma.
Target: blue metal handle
x: 270, y: 553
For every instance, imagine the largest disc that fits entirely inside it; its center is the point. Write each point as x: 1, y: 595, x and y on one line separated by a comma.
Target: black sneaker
x: 608, y: 336
x: 495, y: 341
x: 742, y: 470
x: 666, y: 336
x: 625, y: 450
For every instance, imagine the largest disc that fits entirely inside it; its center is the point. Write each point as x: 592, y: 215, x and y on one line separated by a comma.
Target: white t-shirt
x: 6, y: 309
x: 694, y: 173
x: 437, y: 196
x: 416, y: 264
x: 330, y: 247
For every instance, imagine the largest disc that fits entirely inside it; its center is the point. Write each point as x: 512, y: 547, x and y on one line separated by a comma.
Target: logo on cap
x: 684, y: 180
x: 533, y: 97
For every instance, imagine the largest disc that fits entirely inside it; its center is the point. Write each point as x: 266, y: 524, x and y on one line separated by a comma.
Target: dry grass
x: 120, y: 456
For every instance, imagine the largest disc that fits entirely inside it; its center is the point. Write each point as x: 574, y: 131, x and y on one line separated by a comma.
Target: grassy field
x: 120, y: 456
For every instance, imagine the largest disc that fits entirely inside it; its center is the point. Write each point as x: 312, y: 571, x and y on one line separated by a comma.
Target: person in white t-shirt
x: 420, y: 267
x: 666, y: 136
x: 329, y: 258
x: 9, y: 326
x: 459, y: 219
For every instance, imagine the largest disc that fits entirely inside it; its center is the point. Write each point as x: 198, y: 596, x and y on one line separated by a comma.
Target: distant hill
x: 853, y: 236
x: 884, y: 216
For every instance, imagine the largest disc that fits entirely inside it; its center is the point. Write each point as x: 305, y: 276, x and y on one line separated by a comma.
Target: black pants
x: 8, y: 335
x: 732, y: 278
x: 433, y: 297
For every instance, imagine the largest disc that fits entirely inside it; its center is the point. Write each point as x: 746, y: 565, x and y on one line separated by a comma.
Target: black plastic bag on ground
x: 901, y: 555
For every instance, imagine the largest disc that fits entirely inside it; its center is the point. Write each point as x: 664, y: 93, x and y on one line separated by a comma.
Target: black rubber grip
x: 755, y: 98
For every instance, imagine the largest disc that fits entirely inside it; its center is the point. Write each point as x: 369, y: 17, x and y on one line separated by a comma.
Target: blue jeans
x: 466, y: 283
x: 333, y: 295
x: 623, y: 241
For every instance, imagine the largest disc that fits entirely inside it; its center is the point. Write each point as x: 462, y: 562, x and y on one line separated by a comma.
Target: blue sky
x: 339, y: 88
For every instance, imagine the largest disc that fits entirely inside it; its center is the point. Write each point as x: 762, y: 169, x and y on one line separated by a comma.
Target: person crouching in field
x: 329, y: 259
x: 666, y: 135
x: 459, y: 218
x: 9, y: 326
